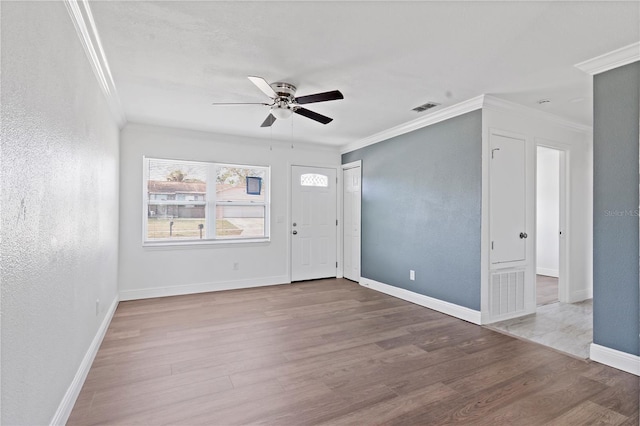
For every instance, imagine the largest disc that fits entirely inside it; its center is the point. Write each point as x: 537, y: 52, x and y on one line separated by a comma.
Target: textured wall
x: 421, y: 210
x: 152, y: 271
x: 59, y: 208
x: 615, y: 208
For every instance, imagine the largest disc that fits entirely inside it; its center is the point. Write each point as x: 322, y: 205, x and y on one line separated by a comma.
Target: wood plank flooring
x: 332, y: 352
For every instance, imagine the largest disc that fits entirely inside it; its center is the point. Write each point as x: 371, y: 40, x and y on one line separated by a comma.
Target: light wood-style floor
x: 333, y: 352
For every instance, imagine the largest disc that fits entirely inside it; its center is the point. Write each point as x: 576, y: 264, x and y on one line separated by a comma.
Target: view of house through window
x: 187, y: 200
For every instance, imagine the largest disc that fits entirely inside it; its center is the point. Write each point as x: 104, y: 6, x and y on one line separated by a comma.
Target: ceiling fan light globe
x: 281, y: 113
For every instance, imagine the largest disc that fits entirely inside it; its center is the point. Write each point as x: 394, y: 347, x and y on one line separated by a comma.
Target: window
x: 314, y: 179
x: 188, y: 201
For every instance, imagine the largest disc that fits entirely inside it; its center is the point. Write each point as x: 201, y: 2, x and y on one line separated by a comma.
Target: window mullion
x: 211, y: 201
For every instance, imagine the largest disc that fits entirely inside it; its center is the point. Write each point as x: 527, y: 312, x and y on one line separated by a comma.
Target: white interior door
x: 507, y: 199
x: 313, y: 223
x: 351, y: 227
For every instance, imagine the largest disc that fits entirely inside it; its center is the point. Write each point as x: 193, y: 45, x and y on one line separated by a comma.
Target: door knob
x: 523, y: 235
x: 295, y: 232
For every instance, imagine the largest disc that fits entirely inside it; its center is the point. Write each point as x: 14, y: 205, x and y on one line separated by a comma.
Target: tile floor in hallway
x: 567, y: 327
x: 546, y: 290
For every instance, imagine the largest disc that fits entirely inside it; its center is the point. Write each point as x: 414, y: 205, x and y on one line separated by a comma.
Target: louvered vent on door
x: 507, y: 293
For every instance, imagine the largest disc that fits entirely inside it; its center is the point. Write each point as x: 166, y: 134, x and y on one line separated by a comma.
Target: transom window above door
x: 314, y: 179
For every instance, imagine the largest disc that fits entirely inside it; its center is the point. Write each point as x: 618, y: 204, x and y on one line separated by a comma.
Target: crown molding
x: 88, y: 34
x: 617, y: 58
x: 499, y: 104
x: 433, y: 118
x: 479, y: 102
x: 176, y: 133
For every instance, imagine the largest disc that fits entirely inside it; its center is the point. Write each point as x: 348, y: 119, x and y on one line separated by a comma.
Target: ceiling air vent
x: 425, y: 107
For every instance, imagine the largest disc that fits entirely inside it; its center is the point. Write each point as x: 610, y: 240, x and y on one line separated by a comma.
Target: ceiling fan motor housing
x: 284, y: 90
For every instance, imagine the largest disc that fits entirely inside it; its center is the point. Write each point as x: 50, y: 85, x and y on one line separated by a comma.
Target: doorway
x: 557, y: 323
x: 351, y: 208
x: 548, y: 229
x: 314, y: 223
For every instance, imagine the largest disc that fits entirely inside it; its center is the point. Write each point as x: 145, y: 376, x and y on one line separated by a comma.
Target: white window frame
x: 210, y: 204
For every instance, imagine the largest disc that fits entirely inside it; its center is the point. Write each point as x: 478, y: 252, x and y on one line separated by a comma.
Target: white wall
x: 59, y: 204
x: 547, y: 211
x: 543, y: 129
x: 160, y: 271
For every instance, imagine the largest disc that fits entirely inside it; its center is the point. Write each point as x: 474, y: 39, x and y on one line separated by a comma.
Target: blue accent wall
x: 615, y: 209
x: 421, y: 210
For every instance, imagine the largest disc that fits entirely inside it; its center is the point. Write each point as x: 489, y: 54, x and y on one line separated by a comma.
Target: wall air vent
x: 425, y: 107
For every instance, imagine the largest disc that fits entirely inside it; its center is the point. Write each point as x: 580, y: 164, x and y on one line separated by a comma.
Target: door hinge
x: 336, y: 222
x: 336, y: 264
x: 491, y: 245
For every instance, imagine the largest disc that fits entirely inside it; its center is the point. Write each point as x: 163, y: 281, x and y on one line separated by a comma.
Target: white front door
x: 313, y: 227
x: 351, y: 227
x: 507, y: 195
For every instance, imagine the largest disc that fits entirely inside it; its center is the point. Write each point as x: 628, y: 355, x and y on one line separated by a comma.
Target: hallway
x: 567, y: 327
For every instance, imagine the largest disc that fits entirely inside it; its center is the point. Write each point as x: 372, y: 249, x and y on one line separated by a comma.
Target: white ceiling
x: 171, y: 60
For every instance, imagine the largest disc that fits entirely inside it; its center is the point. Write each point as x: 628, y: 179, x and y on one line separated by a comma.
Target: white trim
x: 179, y: 290
x: 617, y: 58
x: 71, y: 395
x: 348, y: 166
x: 499, y: 104
x: 548, y: 272
x: 479, y: 102
x: 90, y: 40
x: 580, y: 295
x: 352, y: 165
x: 166, y: 131
x: 487, y: 319
x: 616, y: 359
x: 448, y: 308
x: 427, y: 120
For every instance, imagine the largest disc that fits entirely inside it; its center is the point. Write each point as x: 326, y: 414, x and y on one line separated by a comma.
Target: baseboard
x: 548, y: 272
x: 616, y: 359
x: 179, y: 290
x: 68, y: 401
x: 580, y: 295
x: 487, y: 319
x: 448, y: 308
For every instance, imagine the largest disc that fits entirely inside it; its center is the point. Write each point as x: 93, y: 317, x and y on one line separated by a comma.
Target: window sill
x: 204, y: 243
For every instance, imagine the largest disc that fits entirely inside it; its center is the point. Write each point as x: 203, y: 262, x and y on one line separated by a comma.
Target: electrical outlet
x: 97, y: 306
x: 236, y: 266
x: 412, y: 275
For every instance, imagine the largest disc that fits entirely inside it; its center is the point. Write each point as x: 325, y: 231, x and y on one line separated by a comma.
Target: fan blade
x: 313, y: 115
x: 268, y: 121
x: 264, y: 86
x: 240, y: 103
x: 319, y: 97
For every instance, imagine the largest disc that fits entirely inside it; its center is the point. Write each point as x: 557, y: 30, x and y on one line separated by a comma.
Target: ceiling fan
x: 284, y: 103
